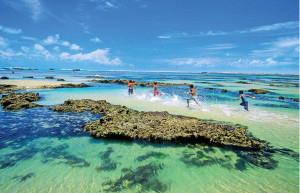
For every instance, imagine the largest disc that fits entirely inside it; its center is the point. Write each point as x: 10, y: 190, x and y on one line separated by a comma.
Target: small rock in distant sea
x: 296, y: 99
x: 27, y: 76
x: 4, y: 77
x: 60, y: 79
x: 281, y: 97
x: 224, y: 90
x: 49, y: 77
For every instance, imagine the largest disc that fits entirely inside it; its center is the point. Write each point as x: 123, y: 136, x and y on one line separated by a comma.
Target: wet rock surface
x: 142, y: 84
x: 121, y: 122
x: 7, y: 88
x: 4, y: 77
x: 68, y: 85
x: 17, y: 101
x: 243, y: 82
x: 258, y: 91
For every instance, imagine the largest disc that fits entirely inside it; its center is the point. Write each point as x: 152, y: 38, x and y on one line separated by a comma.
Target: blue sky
x: 260, y: 36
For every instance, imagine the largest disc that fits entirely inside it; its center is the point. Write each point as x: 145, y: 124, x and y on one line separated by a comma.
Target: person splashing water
x: 156, y: 92
x: 131, y: 85
x: 192, y: 97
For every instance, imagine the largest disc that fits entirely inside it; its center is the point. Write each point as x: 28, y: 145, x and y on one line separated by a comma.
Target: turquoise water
x: 45, y: 151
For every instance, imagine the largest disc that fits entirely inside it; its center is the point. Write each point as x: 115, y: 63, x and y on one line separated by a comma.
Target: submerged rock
x: 243, y: 82
x: 224, y: 90
x: 49, y: 77
x: 258, y: 91
x: 17, y: 101
x: 124, y: 123
x: 60, y: 79
x: 142, y: 84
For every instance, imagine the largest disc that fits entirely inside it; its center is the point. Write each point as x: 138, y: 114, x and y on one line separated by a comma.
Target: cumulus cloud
x: 10, y: 30
x: 42, y: 50
x: 75, y: 47
x: 52, y: 39
x: 95, y: 40
x: 25, y: 49
x: 99, y: 56
x: 65, y: 43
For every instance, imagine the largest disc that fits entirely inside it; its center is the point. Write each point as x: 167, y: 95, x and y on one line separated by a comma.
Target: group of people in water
x: 191, y: 95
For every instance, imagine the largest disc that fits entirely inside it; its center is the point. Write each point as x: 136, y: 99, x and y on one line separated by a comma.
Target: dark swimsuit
x: 245, y: 102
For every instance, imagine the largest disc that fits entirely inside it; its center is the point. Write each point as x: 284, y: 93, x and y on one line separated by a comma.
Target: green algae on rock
x: 18, y: 101
x: 142, y: 84
x: 124, y: 123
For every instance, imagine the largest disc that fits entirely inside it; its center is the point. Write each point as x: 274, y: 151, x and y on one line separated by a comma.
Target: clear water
x: 45, y: 151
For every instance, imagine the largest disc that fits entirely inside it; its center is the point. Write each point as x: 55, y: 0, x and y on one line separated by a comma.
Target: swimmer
x: 244, y: 99
x: 131, y: 85
x: 156, y: 92
x: 192, y: 97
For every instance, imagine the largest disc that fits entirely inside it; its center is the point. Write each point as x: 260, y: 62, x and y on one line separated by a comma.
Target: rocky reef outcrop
x: 17, y: 101
x: 258, y: 91
x: 142, y: 84
x: 123, y: 123
x: 7, y: 88
x: 67, y: 85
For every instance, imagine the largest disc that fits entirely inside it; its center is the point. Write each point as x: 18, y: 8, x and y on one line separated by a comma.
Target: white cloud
x: 9, y: 53
x: 29, y: 38
x: 287, y: 42
x: 268, y: 62
x: 42, y: 50
x: 99, y: 56
x: 95, y: 40
x: 164, y: 37
x: 221, y: 46
x: 193, y: 61
x: 276, y: 26
x: 10, y: 30
x: 25, y: 49
x: 3, y: 42
x: 35, y: 7
x: 272, y: 27
x: 65, y: 43
x: 52, y: 39
x: 75, y: 47
x: 56, y: 48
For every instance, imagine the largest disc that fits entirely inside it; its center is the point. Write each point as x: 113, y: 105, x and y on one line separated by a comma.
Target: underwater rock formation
x: 124, y: 123
x: 17, y: 101
x: 143, y: 177
x: 142, y: 84
x: 258, y: 91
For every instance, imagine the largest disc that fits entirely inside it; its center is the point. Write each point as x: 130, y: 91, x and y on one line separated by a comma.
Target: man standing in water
x: 193, y: 96
x: 131, y: 85
x: 156, y: 92
x: 244, y: 99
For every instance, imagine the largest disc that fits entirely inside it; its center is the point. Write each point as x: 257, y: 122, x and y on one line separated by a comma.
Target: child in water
x: 192, y: 97
x: 244, y: 99
x: 131, y: 85
x: 156, y: 92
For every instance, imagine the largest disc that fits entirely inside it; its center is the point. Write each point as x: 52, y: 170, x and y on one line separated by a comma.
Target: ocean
x: 46, y: 151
